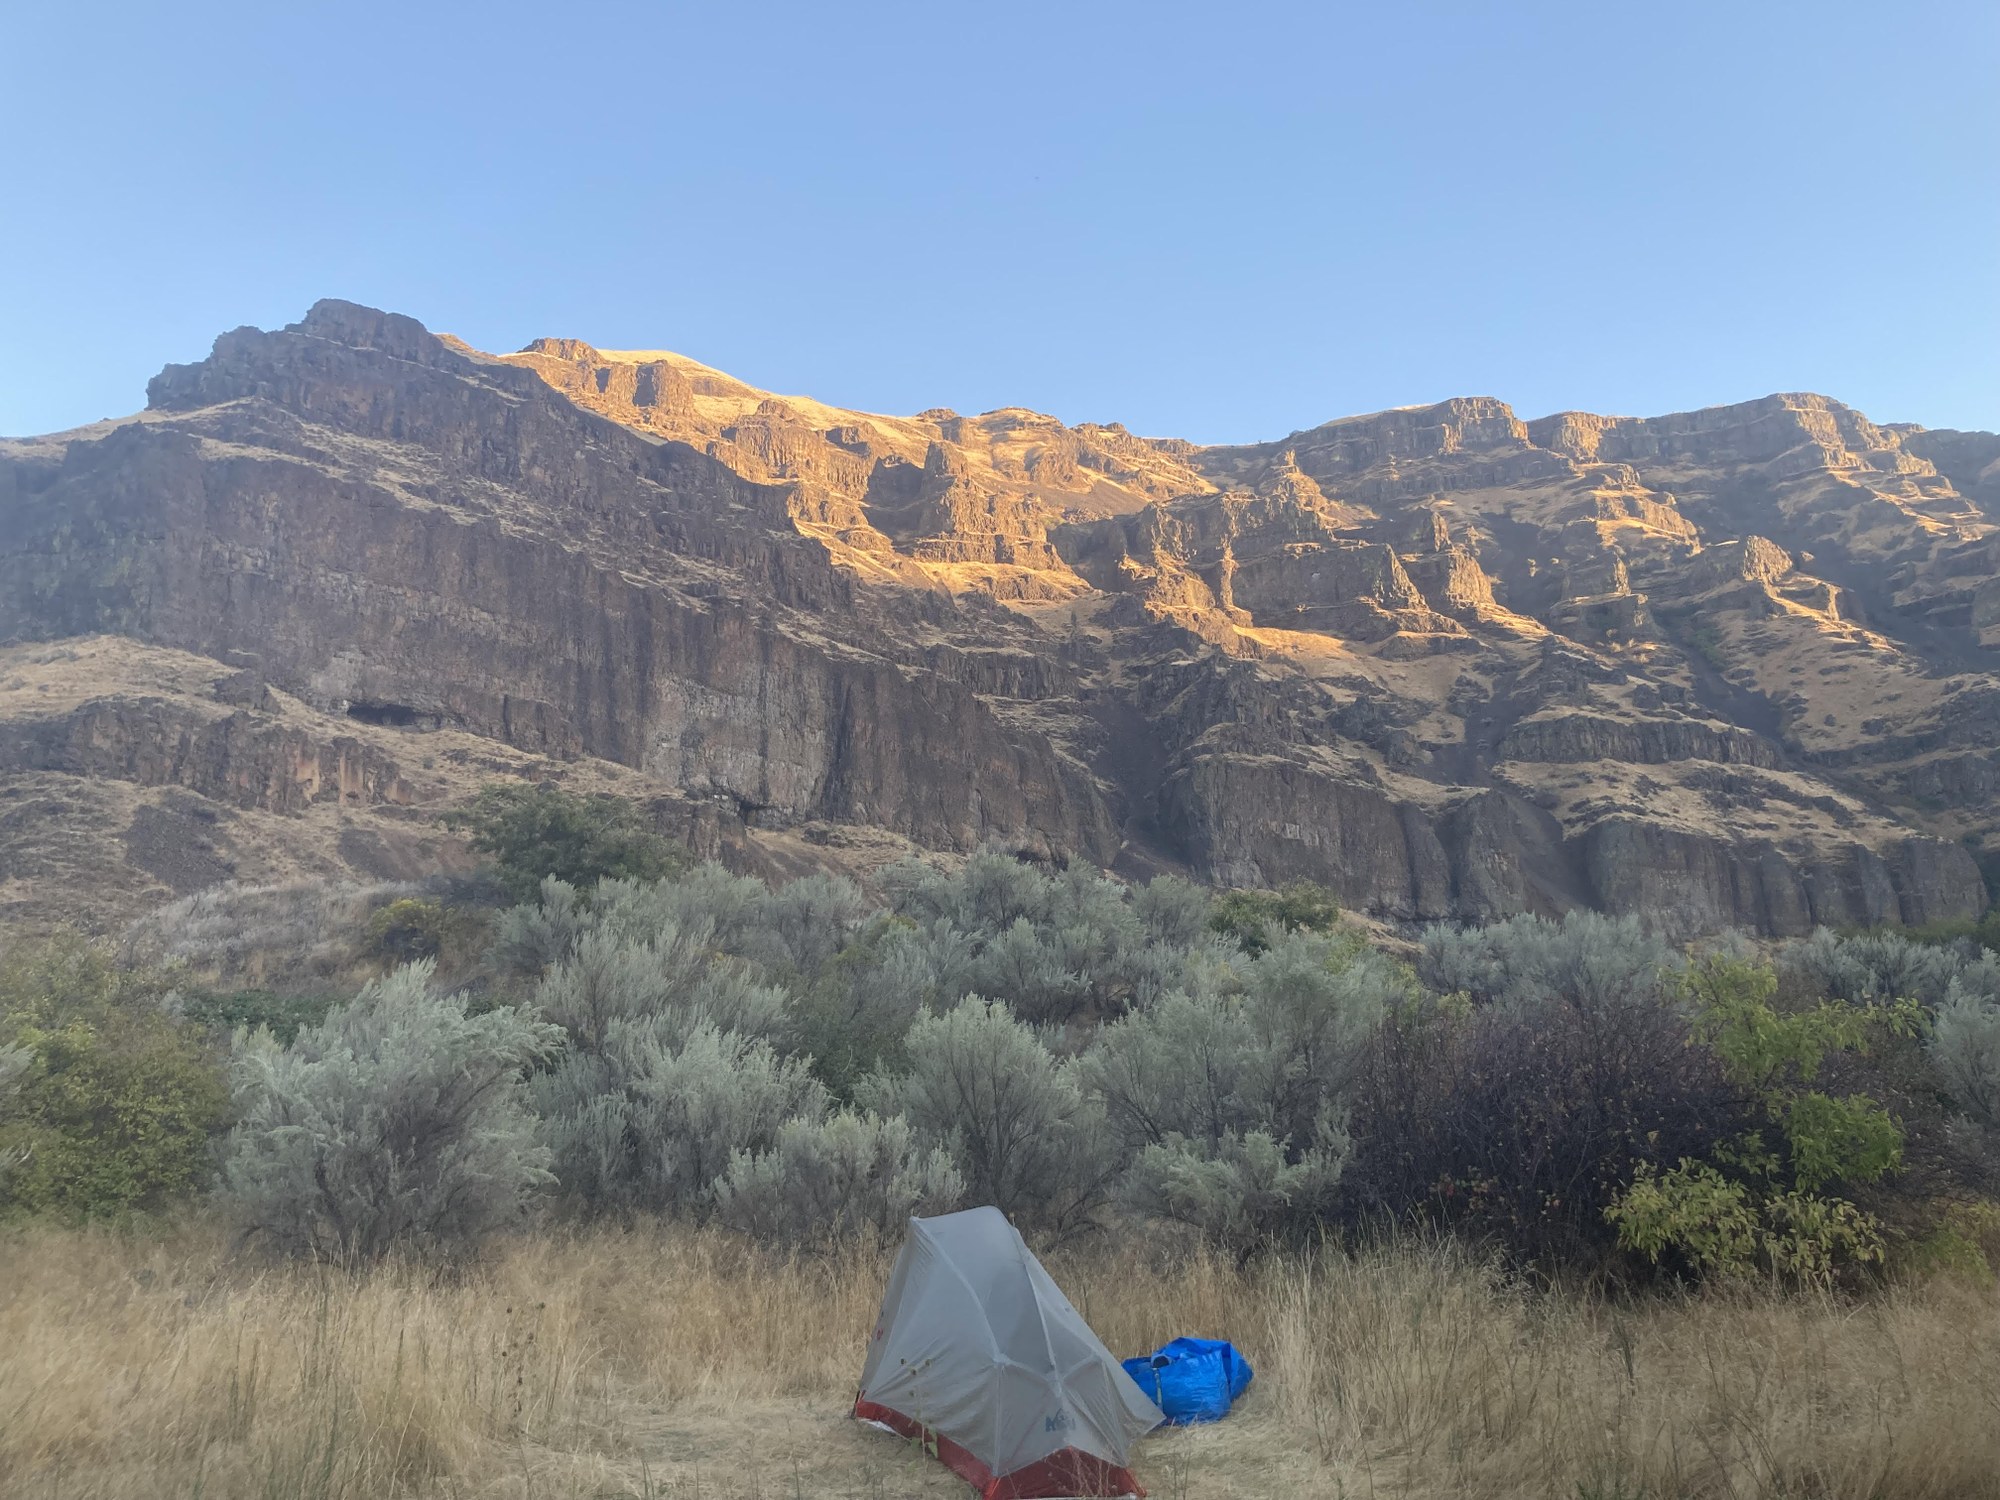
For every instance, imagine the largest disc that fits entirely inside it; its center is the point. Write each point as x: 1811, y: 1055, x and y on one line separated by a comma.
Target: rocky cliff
x: 1724, y: 668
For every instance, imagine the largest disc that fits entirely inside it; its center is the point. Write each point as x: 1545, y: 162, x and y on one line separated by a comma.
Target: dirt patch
x: 181, y: 844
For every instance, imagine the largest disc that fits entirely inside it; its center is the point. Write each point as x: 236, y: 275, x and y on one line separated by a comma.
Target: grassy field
x: 671, y: 1363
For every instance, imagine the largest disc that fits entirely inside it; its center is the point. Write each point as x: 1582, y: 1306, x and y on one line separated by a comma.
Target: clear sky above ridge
x: 1220, y: 222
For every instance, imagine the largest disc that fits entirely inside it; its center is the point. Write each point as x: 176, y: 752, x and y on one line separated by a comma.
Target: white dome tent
x: 978, y: 1354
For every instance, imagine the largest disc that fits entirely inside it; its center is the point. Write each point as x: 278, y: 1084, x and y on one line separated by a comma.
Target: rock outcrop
x: 241, y: 759
x: 1724, y: 668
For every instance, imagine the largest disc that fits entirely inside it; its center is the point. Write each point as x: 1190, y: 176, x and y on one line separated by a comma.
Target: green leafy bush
x: 111, y: 1100
x: 1727, y: 1227
x: 406, y: 930
x: 540, y: 831
x: 1778, y: 1057
x: 1964, y: 1241
x: 1254, y: 919
x: 1762, y: 1198
x: 229, y: 1011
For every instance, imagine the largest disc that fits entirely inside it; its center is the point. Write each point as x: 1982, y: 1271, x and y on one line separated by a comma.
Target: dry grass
x: 676, y: 1364
x: 253, y: 934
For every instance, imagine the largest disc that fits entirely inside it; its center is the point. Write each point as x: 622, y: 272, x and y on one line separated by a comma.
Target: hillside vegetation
x: 546, y: 1197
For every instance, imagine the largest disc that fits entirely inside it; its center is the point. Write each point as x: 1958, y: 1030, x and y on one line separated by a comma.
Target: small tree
x: 540, y: 831
x: 400, y: 1121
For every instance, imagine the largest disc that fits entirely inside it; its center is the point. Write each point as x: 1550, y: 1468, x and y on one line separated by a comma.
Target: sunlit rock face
x: 1727, y: 668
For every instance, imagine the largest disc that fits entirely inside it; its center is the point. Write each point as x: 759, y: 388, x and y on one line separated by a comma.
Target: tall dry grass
x: 252, y: 935
x: 670, y: 1363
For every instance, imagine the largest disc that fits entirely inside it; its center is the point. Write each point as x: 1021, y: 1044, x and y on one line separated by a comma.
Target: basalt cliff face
x: 1728, y: 668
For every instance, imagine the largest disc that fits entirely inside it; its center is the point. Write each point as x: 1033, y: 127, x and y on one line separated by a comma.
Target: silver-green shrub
x: 674, y: 977
x: 1016, y: 1120
x: 14, y: 1062
x: 1232, y: 1101
x: 400, y: 1121
x: 1875, y: 967
x: 727, y: 910
x: 851, y: 1175
x: 1271, y: 1045
x: 1176, y: 1070
x: 1029, y: 970
x: 670, y: 1066
x: 1055, y: 947
x: 1173, y: 911
x: 1312, y: 1003
x: 1241, y: 1191
x: 650, y: 1121
x: 1585, y: 962
x: 1965, y: 1044
x: 532, y: 937
x: 852, y: 1018
x: 802, y: 924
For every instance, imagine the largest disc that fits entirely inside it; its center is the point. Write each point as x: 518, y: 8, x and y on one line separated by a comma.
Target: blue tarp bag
x: 1192, y: 1380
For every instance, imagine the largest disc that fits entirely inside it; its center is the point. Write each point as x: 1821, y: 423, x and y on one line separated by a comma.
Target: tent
x: 979, y: 1355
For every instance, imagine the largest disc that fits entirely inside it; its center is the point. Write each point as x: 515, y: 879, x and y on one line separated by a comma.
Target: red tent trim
x: 1069, y: 1472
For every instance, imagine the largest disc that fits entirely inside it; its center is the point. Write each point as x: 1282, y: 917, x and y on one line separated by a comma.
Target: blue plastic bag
x: 1192, y: 1380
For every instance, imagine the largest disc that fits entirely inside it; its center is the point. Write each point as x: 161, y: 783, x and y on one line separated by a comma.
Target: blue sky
x: 1222, y: 222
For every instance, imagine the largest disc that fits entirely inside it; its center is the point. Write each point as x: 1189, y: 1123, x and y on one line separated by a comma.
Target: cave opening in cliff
x: 390, y: 715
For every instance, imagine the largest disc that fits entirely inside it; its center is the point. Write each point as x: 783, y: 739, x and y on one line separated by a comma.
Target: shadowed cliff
x: 1724, y: 668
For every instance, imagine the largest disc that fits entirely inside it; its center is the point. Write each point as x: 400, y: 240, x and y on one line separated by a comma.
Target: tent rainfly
x: 979, y: 1355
